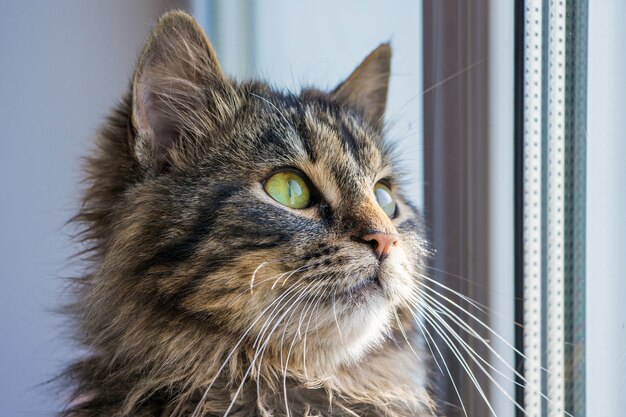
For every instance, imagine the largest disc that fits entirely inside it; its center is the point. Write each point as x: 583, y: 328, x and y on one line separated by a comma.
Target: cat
x: 251, y: 252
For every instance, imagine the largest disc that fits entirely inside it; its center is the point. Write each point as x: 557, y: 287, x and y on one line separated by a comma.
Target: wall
x: 606, y: 205
x: 63, y: 65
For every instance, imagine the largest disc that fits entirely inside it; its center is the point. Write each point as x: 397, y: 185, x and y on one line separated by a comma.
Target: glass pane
x: 555, y: 104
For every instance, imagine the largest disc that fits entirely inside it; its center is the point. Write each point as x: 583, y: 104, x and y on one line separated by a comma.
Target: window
x: 552, y: 227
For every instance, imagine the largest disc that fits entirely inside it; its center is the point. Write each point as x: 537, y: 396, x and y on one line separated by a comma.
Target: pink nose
x: 383, y: 241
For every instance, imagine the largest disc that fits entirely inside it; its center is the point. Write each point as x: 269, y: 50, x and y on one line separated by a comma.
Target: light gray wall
x: 606, y: 205
x: 62, y: 66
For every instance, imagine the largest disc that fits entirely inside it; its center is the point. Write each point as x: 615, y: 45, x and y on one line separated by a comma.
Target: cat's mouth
x: 365, y: 286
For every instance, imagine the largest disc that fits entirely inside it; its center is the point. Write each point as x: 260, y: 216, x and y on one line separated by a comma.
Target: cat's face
x: 272, y: 218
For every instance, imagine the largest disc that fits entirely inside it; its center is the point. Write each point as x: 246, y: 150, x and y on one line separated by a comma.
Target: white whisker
x: 395, y: 313
x: 335, y: 315
x: 261, y: 350
x: 232, y: 352
x: 427, y: 336
x: 473, y: 355
x: 431, y: 314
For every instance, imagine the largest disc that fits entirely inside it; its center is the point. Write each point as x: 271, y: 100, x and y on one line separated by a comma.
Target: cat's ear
x: 366, y: 88
x: 178, y: 87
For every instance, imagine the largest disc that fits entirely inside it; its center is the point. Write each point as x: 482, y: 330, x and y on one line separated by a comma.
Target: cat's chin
x: 360, y: 318
x: 359, y: 328
x: 366, y: 327
x: 368, y: 312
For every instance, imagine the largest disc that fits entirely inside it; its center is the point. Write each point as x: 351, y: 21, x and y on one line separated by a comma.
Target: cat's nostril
x: 381, y: 242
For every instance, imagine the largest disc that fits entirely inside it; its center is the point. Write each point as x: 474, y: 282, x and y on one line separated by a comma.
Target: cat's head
x: 263, y: 217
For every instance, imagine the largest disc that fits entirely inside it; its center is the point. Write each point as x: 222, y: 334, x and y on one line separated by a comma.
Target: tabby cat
x: 251, y: 252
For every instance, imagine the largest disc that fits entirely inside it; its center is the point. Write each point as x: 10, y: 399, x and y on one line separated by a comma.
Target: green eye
x: 289, y: 189
x: 384, y: 199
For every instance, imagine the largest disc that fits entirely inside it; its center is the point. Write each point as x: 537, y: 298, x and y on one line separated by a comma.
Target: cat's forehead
x: 341, y: 154
x: 329, y: 137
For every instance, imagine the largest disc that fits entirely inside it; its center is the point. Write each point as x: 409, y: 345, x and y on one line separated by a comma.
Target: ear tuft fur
x: 177, y: 86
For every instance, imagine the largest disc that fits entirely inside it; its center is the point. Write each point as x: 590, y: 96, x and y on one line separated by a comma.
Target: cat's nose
x: 382, y: 243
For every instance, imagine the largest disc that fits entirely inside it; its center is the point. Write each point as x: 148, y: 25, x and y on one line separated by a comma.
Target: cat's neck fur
x: 180, y: 380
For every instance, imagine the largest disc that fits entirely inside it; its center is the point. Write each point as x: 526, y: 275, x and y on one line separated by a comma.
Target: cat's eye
x: 289, y: 189
x: 385, y: 199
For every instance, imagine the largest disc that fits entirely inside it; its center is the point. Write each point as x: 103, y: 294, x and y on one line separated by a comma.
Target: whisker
x: 306, y: 331
x: 465, y: 298
x: 309, y: 304
x: 430, y: 314
x: 483, y: 308
x: 232, y: 352
x: 314, y: 291
x: 475, y: 358
x: 467, y: 328
x: 478, y: 321
x: 258, y: 268
x: 295, y: 336
x: 335, y: 315
x: 398, y: 113
x: 247, y: 290
x: 473, y: 354
x: 297, y: 296
x: 260, y: 352
x: 274, y: 313
x: 432, y: 354
x: 303, y: 295
x: 290, y: 274
x: 401, y: 327
x: 453, y: 76
x: 427, y: 336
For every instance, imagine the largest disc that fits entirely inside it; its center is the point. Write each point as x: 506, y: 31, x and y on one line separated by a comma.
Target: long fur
x: 205, y: 297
